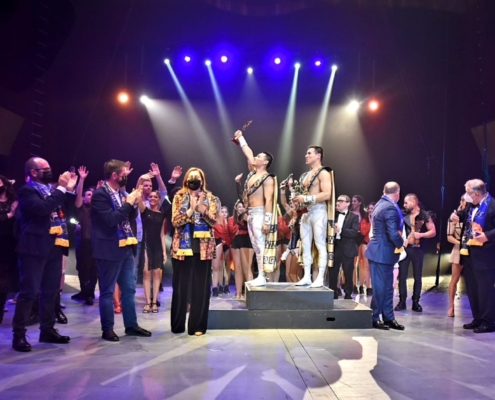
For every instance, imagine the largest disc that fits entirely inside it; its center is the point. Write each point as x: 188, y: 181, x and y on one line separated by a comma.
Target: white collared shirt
x: 340, y: 222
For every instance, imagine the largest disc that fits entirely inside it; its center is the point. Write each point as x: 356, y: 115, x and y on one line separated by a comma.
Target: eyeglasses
x: 42, y: 169
x: 342, y: 201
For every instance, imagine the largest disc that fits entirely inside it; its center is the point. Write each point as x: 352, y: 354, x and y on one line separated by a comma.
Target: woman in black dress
x: 8, y: 259
x: 155, y: 251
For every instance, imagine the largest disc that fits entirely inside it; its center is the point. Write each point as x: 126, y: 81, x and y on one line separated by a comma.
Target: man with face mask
x: 43, y: 241
x: 114, y: 248
x: 478, y: 254
x: 383, y: 252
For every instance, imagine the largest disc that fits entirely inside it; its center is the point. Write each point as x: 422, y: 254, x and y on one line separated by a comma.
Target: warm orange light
x: 123, y: 97
x: 374, y: 105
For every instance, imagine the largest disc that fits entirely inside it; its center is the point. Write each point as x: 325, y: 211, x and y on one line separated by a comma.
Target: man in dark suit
x: 346, y: 230
x: 478, y: 241
x: 387, y: 223
x: 42, y: 242
x: 114, y: 247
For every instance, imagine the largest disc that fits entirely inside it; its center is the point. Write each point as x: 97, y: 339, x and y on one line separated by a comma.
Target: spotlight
x: 250, y: 71
x: 123, y: 97
x: 297, y: 65
x: 373, y: 105
x: 277, y: 60
x: 334, y: 67
x: 353, y: 106
x: 224, y: 59
x: 318, y: 63
x: 166, y: 61
x: 187, y: 58
x: 74, y: 221
x: 208, y: 62
x: 144, y: 99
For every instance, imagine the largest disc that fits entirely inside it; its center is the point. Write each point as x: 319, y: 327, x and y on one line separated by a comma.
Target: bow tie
x: 342, y: 213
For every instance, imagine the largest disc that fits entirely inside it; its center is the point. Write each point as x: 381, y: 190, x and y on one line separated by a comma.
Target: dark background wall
x: 422, y: 63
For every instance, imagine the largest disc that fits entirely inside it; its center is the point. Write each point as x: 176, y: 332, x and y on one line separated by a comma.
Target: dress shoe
x: 401, y: 306
x: 77, y: 296
x: 109, y: 336
x: 484, y: 329
x: 60, y: 317
x: 348, y: 297
x: 417, y: 307
x: 380, y: 325
x: 19, y: 343
x: 137, y: 331
x: 471, y: 325
x: 89, y: 301
x: 52, y: 336
x: 394, y: 325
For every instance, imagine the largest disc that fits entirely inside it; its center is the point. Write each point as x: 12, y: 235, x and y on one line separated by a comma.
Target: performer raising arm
x: 261, y: 198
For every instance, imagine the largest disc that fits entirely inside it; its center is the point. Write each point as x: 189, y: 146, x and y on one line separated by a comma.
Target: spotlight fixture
x: 144, y: 99
x: 354, y: 105
x: 224, y: 59
x: 334, y: 67
x: 277, y: 60
x: 208, y: 62
x: 250, y: 71
x: 166, y: 61
x: 318, y: 63
x: 373, y: 105
x: 187, y: 58
x: 297, y: 65
x: 123, y: 97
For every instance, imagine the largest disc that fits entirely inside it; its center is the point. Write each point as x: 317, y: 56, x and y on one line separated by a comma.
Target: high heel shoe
x: 451, y: 313
x: 117, y: 307
x: 154, y: 308
x: 146, y: 308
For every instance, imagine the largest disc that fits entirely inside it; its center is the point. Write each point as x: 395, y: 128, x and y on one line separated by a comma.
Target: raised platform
x: 286, y: 306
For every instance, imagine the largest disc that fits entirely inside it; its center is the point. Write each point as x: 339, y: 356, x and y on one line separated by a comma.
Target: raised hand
x: 155, y: 170
x: 72, y: 182
x: 64, y: 179
x: 176, y: 173
x: 100, y: 184
x: 83, y: 173
x: 237, y: 135
x: 238, y: 178
x: 148, y: 176
x: 128, y: 168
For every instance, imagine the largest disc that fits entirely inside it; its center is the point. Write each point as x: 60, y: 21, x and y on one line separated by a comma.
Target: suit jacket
x: 483, y: 257
x: 386, y: 237
x: 350, y: 229
x: 104, y: 221
x: 34, y: 220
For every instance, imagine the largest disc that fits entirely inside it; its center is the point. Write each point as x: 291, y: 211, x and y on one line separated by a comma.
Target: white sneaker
x: 259, y: 281
x: 305, y: 281
x: 317, y: 283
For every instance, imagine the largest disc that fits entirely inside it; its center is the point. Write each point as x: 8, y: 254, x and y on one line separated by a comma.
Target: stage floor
x: 433, y: 358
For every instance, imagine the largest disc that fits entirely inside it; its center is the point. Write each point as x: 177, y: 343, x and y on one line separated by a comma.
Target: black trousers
x: 38, y: 275
x: 3, y: 299
x: 481, y: 292
x: 198, y: 272
x: 347, y: 264
x: 86, y: 267
x: 415, y: 255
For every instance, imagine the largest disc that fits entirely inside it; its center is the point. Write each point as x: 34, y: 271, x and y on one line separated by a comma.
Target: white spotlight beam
x: 322, y: 118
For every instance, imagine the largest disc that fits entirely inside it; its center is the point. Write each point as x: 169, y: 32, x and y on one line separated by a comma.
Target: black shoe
x: 220, y: 289
x: 77, y: 296
x: 160, y: 288
x: 380, y: 325
x: 361, y: 290
x: 471, y: 325
x: 89, y: 301
x: 109, y: 336
x: 335, y: 296
x: 158, y: 304
x: 137, y: 331
x: 348, y: 297
x: 355, y: 290
x: 394, y: 325
x: 215, y: 292
x: 226, y: 289
x: 33, y: 320
x: 52, y: 336
x: 484, y: 329
x: 60, y: 317
x: 401, y: 306
x: 19, y: 343
x: 369, y: 292
x: 417, y: 307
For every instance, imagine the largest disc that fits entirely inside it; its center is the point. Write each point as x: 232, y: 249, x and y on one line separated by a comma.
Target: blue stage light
x: 208, y: 62
x: 318, y: 63
x: 277, y: 60
x: 250, y: 71
x: 224, y: 59
x: 187, y: 58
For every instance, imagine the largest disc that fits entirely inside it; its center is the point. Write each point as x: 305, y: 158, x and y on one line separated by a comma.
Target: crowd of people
x: 319, y: 240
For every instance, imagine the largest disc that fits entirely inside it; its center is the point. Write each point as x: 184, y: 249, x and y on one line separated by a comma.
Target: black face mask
x: 194, y: 184
x: 2, y: 190
x: 47, y: 177
x: 123, y: 181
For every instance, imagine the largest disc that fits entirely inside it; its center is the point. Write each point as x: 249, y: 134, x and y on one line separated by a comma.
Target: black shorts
x: 218, y: 241
x: 242, y: 242
x: 283, y: 241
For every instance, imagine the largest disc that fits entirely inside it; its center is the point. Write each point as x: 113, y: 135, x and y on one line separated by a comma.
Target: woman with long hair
x: 283, y: 240
x: 241, y: 249
x: 454, y: 237
x: 8, y: 259
x: 357, y: 207
x: 221, y: 231
x: 365, y: 227
x: 154, y: 252
x: 194, y: 213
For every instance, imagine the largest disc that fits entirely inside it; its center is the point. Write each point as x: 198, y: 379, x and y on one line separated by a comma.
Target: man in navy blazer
x: 114, y: 247
x: 386, y: 222
x: 42, y: 210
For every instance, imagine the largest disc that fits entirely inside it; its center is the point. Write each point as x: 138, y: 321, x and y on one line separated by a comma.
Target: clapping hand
x: 454, y: 217
x: 201, y: 203
x: 238, y: 178
x: 134, y: 195
x: 83, y: 173
x: 63, y: 179
x: 72, y: 181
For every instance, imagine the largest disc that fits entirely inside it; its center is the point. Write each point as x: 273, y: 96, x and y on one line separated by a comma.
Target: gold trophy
x: 242, y: 129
